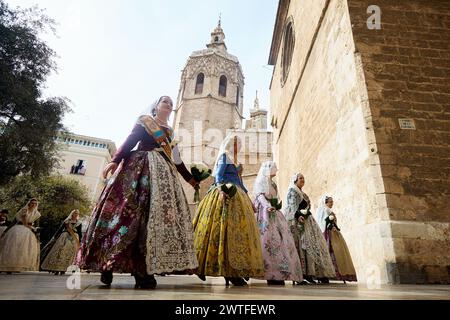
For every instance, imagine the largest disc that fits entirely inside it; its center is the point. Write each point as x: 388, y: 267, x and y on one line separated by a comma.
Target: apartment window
x: 79, y: 168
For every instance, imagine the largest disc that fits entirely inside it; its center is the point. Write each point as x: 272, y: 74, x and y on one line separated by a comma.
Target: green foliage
x: 275, y: 204
x: 57, y: 196
x: 29, y: 123
x: 200, y: 174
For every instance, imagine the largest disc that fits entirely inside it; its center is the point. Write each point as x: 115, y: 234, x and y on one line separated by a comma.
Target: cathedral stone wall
x: 321, y: 132
x: 336, y: 121
x: 407, y: 70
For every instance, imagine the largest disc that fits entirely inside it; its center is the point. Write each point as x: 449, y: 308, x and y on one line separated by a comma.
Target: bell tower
x: 210, y: 100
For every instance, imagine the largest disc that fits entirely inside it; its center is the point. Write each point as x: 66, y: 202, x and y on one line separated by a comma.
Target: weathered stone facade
x: 336, y: 119
x: 407, y: 71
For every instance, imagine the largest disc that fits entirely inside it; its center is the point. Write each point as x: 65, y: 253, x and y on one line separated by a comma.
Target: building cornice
x: 111, y: 146
x: 283, y: 8
x: 303, y: 68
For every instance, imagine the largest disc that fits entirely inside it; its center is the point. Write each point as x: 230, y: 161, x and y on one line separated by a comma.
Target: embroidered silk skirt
x: 340, y: 255
x: 281, y: 260
x: 62, y: 254
x: 226, y: 237
x: 141, y: 222
x: 312, y: 249
x: 19, y: 250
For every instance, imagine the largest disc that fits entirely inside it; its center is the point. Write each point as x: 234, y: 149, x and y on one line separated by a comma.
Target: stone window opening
x: 288, y: 49
x: 237, y: 95
x: 199, y: 83
x: 216, y: 39
x: 223, y: 86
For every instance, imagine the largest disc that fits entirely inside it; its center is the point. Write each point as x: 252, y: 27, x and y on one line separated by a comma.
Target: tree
x: 57, y: 196
x: 29, y: 123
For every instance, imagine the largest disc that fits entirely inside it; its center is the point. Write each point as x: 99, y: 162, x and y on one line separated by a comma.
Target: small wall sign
x: 407, y: 124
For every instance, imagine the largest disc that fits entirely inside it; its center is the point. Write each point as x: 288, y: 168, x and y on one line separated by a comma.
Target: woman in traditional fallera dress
x: 311, y: 245
x: 142, y: 223
x: 340, y: 255
x: 19, y: 246
x: 60, y: 251
x: 226, y: 235
x: 4, y: 223
x: 281, y: 260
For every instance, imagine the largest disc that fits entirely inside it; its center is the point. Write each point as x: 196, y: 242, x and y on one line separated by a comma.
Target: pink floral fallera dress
x: 281, y: 260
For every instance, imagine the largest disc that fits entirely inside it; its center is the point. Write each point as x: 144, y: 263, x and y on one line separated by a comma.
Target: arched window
x: 237, y: 95
x: 288, y: 49
x: 223, y: 86
x: 199, y: 83
x: 216, y: 39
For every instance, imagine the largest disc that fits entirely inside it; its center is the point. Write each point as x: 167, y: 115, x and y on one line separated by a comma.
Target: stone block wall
x: 406, y: 66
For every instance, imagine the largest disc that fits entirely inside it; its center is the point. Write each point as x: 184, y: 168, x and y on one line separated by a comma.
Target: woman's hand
x: 194, y: 183
x: 301, y: 219
x: 111, y: 167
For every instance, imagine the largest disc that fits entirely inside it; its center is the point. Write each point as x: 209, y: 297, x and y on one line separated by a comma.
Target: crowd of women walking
x: 141, y: 223
x: 20, y: 249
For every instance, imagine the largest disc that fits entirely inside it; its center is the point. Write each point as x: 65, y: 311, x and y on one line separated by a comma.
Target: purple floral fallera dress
x: 141, y: 222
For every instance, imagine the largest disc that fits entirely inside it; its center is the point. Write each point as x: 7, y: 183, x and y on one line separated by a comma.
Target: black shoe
x: 236, y: 281
x: 324, y: 280
x: 201, y: 277
x: 145, y: 282
x: 275, y: 282
x: 106, y: 277
x: 310, y: 279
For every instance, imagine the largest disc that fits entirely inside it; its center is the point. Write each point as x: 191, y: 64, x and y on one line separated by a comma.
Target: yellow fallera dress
x: 226, y: 235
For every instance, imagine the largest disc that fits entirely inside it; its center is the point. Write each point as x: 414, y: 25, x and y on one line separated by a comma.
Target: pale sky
x: 115, y: 56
